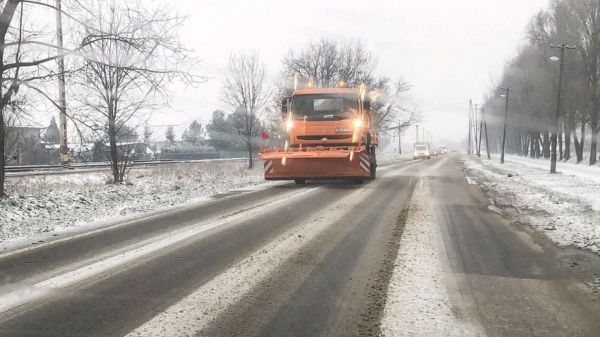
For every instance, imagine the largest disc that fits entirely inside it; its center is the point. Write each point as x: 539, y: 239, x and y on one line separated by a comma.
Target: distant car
x: 421, y: 151
x: 443, y: 149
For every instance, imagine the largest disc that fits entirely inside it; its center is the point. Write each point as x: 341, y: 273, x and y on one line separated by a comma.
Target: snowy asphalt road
x: 297, y: 261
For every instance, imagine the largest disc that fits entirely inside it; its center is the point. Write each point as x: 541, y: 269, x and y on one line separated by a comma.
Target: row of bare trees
x: 325, y: 62
x: 119, y: 57
x: 534, y: 73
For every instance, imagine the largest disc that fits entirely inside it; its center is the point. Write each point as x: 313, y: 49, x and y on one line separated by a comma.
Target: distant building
x: 24, y: 146
x: 134, y: 150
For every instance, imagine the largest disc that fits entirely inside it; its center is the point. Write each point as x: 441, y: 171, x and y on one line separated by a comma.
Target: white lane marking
x: 191, y: 314
x: 420, y: 302
x: 18, y: 295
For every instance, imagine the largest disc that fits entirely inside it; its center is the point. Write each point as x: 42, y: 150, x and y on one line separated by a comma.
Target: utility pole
x: 487, y: 145
x: 417, y: 139
x: 554, y: 137
x: 480, y: 129
x: 475, y: 112
x: 507, y: 90
x: 63, y: 150
x: 470, y: 123
x: 399, y: 139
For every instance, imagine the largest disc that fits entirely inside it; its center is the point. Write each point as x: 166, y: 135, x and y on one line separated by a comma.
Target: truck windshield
x: 323, y: 107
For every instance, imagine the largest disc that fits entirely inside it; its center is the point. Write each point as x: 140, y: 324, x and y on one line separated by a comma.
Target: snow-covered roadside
x: 580, y: 170
x: 386, y: 157
x: 565, y: 206
x: 42, y: 204
x: 418, y: 303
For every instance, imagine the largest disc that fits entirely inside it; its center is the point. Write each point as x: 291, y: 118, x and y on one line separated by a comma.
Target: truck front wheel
x: 373, y: 166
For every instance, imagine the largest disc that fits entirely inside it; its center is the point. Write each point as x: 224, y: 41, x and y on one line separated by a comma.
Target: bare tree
x: 194, y: 134
x: 170, y: 134
x: 387, y: 105
x: 26, y: 61
x: 126, y: 71
x: 327, y: 62
x: 245, y: 90
x: 587, y: 13
x: 535, y: 77
x: 28, y: 54
x: 147, y: 134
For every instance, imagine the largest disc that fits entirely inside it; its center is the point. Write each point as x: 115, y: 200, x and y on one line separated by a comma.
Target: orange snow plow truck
x: 330, y: 136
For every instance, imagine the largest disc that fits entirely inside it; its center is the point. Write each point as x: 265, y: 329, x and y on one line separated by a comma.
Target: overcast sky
x: 449, y: 51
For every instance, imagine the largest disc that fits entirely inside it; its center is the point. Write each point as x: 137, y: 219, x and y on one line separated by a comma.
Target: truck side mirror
x: 284, y: 106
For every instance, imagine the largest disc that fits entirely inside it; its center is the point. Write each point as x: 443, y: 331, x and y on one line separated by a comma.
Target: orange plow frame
x: 316, y: 163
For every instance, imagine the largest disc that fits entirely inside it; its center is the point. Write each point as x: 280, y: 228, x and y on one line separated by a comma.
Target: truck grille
x: 329, y: 137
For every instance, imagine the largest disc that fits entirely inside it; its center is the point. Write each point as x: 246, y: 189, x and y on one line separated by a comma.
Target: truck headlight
x: 289, y: 125
x: 357, y: 123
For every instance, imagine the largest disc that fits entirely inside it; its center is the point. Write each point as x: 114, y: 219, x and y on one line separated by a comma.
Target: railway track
x: 27, y: 170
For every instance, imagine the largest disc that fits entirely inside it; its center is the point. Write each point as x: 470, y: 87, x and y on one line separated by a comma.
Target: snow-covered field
x: 50, y: 203
x: 565, y: 206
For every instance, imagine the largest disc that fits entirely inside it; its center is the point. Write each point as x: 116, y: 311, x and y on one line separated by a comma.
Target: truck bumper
x: 316, y: 164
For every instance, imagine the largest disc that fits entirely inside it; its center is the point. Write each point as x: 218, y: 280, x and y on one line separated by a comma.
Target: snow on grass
x: 39, y: 204
x: 418, y: 303
x: 565, y: 206
x: 385, y: 157
x: 581, y: 170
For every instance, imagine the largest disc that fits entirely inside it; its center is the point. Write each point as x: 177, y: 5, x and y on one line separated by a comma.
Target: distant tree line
x: 534, y: 73
x: 228, y: 131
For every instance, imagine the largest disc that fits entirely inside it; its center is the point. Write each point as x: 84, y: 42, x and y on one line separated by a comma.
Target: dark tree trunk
x: 594, y: 129
x: 568, y: 131
x: 546, y: 145
x: 8, y: 12
x: 2, y: 154
x: 532, y: 145
x: 114, y: 154
x: 595, y: 104
x: 594, y: 144
x: 578, y: 153
x: 560, y: 145
x: 579, y: 144
x: 250, y: 157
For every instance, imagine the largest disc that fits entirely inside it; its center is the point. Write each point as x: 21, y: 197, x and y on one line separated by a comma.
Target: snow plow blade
x: 320, y: 163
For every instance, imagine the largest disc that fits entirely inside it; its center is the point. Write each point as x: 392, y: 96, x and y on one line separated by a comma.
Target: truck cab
x: 328, y: 117
x: 329, y: 136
